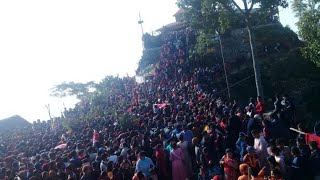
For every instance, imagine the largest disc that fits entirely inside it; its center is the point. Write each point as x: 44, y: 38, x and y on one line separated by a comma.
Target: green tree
x: 265, y: 9
x: 209, y: 20
x: 308, y: 12
x: 79, y: 90
x: 299, y: 7
x: 309, y: 30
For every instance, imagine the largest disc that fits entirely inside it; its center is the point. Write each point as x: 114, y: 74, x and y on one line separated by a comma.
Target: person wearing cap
x: 230, y: 165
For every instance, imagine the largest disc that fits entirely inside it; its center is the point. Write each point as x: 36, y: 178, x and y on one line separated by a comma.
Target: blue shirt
x: 241, y: 148
x: 187, y: 136
x: 144, y: 166
x: 76, y: 162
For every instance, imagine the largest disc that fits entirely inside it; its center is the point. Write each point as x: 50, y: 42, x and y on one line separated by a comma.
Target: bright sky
x: 43, y: 43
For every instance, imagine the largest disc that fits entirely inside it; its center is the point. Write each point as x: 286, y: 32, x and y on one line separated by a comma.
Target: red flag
x: 312, y: 137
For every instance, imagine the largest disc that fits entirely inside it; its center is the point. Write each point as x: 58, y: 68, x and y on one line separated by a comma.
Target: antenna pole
x: 141, y: 22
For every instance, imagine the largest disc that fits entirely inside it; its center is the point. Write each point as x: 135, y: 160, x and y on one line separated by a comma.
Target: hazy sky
x: 43, y: 43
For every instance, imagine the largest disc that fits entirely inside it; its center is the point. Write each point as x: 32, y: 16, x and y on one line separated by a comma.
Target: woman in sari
x: 177, y: 158
x: 184, y: 146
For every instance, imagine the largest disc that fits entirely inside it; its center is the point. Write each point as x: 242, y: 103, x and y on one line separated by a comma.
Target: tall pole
x: 141, y: 22
x: 256, y: 65
x: 224, y: 66
x: 49, y: 112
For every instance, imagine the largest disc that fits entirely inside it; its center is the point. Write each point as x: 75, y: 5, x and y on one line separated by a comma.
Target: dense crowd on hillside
x: 179, y: 128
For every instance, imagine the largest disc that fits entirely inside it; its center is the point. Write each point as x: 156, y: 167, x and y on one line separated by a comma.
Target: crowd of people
x: 177, y: 128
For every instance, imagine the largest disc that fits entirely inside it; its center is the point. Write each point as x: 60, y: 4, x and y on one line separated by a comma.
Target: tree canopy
x: 308, y: 12
x: 210, y: 16
x: 206, y: 18
x: 72, y: 89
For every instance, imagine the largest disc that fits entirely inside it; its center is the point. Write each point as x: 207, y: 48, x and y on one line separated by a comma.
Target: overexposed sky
x: 43, y: 43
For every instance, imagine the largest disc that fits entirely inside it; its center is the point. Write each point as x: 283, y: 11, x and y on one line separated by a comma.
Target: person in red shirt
x: 95, y: 137
x: 161, y: 162
x: 260, y: 107
x: 230, y: 165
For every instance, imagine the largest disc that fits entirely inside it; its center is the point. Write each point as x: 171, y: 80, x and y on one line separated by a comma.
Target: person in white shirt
x: 113, y: 158
x: 260, y: 146
x: 124, y: 151
x: 104, y: 163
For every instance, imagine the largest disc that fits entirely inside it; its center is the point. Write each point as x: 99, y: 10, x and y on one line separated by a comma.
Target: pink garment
x: 187, y: 158
x: 95, y: 137
x: 178, y: 168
